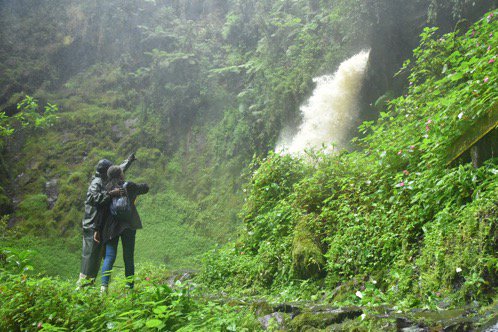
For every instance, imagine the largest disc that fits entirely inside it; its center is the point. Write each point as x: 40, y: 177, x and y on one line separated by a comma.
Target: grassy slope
x: 166, y: 239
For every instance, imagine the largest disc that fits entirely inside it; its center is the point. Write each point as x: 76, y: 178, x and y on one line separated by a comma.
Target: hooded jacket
x: 97, y: 197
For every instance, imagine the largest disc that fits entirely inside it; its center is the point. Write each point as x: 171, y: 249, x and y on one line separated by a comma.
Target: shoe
x: 84, y: 281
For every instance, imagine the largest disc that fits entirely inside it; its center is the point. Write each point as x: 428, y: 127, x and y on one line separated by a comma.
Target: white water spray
x: 329, y: 115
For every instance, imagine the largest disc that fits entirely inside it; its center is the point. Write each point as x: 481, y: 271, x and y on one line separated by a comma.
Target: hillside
x: 195, y: 88
x: 201, y: 91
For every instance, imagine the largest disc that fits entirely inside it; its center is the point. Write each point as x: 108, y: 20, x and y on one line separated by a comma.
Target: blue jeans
x: 111, y: 249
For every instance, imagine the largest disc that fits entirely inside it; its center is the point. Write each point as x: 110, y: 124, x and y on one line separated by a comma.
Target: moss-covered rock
x: 323, y: 318
x: 307, y: 258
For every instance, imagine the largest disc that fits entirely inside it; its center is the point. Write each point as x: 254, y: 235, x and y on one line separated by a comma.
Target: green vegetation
x: 28, y: 116
x: 167, y: 238
x: 392, y: 221
x: 198, y: 89
x: 28, y: 119
x: 50, y: 304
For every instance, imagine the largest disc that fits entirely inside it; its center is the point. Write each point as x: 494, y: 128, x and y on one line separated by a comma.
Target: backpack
x: 121, y: 207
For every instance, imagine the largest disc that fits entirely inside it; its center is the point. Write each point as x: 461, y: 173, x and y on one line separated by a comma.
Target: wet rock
x: 52, y: 191
x: 490, y: 320
x: 288, y: 308
x: 492, y: 328
x: 322, y: 317
x: 444, y: 320
x: 461, y: 326
x: 277, y: 318
x: 405, y: 325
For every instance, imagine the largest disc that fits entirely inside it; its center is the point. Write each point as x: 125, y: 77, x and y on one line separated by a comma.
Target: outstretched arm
x: 127, y: 163
x: 137, y: 188
x: 142, y: 188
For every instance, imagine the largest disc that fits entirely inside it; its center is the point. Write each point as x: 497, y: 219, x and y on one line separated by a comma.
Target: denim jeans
x: 111, y: 249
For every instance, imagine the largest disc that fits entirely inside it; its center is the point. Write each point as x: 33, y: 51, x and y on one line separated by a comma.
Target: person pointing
x: 97, y: 197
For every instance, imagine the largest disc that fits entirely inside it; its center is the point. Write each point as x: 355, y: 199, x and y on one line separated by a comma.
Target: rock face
x: 306, y: 317
x: 445, y: 320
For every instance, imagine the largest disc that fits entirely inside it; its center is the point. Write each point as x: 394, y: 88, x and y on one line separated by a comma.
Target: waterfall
x: 330, y: 113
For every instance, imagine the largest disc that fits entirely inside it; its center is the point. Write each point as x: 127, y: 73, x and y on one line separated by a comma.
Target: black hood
x: 102, y: 167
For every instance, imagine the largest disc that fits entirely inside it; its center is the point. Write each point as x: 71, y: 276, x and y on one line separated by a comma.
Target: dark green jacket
x: 109, y: 227
x: 97, y: 197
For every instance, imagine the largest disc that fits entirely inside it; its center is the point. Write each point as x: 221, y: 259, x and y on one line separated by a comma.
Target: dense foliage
x: 198, y: 88
x: 393, y: 221
x: 31, y: 303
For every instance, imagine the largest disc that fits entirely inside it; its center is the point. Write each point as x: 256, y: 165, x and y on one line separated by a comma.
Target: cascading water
x: 329, y: 115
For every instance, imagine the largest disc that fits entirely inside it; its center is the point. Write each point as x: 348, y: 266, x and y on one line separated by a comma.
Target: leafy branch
x: 29, y: 116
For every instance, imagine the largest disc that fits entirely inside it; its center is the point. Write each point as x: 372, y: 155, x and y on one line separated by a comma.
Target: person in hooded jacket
x: 110, y: 228
x: 97, y: 198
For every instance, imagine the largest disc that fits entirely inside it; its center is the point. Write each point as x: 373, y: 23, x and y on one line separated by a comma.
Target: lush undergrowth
x: 50, y: 256
x: 197, y: 87
x: 31, y: 303
x: 392, y: 223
